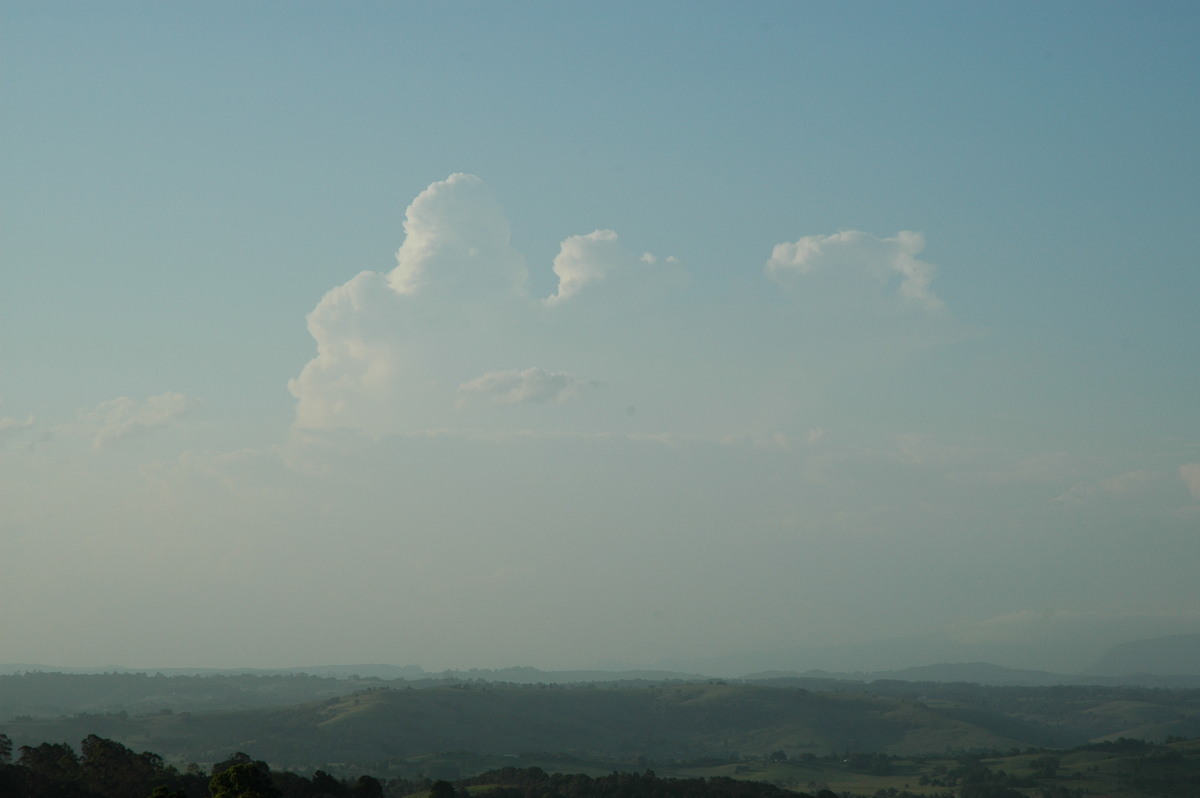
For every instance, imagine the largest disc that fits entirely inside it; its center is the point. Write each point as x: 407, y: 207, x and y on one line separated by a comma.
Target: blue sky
x: 605, y: 311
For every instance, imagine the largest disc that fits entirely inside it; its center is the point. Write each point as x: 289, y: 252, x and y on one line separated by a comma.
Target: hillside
x: 676, y: 722
x: 455, y: 728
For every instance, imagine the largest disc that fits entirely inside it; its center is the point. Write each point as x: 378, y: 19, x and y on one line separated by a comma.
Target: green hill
x: 681, y: 722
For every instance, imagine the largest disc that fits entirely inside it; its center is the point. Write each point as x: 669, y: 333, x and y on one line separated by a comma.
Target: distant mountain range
x: 1176, y: 655
x: 515, y: 675
x: 985, y: 673
x: 1175, y: 659
x: 1171, y: 661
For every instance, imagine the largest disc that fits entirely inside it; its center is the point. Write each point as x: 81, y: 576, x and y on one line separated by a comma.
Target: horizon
x: 812, y: 663
x: 563, y: 334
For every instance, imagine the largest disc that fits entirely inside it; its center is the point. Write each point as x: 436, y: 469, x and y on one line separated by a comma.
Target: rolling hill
x: 673, y: 722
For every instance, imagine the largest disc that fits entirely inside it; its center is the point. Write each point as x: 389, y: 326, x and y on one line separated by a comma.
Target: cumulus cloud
x: 863, y: 257
x: 586, y: 259
x: 456, y: 241
x: 429, y: 345
x: 384, y: 339
x: 123, y: 417
x: 357, y: 363
x: 403, y: 351
x: 520, y: 387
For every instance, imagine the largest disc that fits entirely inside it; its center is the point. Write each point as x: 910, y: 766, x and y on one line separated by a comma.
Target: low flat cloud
x: 531, y: 385
x: 124, y: 417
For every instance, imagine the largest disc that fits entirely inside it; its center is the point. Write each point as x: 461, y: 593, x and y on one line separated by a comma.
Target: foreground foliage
x: 1124, y: 768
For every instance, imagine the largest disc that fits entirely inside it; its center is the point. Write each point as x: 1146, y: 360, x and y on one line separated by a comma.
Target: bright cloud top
x: 404, y: 351
x: 859, y: 256
x: 456, y: 238
x: 585, y: 259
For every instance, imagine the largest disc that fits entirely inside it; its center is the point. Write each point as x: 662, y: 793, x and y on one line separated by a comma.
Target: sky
x: 481, y: 334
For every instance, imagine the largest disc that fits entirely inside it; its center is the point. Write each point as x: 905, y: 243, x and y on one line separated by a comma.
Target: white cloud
x: 385, y: 343
x: 456, y: 241
x: 404, y: 351
x: 519, y: 387
x: 586, y: 259
x: 861, y: 257
x: 357, y: 358
x: 428, y: 345
x: 123, y: 417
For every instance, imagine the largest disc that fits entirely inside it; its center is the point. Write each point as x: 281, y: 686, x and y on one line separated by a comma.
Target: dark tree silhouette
x: 242, y: 781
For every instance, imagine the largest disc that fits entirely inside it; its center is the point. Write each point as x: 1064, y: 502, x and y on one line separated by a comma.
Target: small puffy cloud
x: 1190, y: 474
x: 586, y: 259
x: 456, y: 242
x: 11, y: 427
x: 521, y: 387
x: 123, y: 417
x: 859, y: 256
x: 10, y: 423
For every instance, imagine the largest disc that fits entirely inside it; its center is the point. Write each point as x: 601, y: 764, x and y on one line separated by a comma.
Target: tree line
x: 104, y: 768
